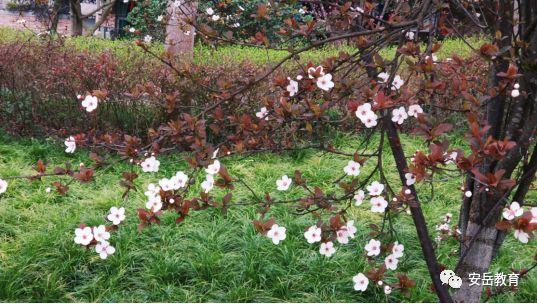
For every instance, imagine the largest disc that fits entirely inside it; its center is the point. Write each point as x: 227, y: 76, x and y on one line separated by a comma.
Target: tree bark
x: 77, y: 26
x: 179, y: 33
x: 417, y: 214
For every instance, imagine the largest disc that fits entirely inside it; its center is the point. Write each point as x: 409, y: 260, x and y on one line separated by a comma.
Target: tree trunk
x: 77, y: 26
x: 55, y: 16
x: 515, y: 120
x: 107, y: 9
x: 179, y: 34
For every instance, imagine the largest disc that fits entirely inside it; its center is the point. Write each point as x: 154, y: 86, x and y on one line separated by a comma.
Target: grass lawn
x: 231, y: 54
x: 208, y: 257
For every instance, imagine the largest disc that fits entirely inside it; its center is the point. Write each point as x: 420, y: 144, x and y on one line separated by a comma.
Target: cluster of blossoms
x: 400, y: 114
x: 366, y: 115
x: 98, y: 236
x: 154, y: 198
x: 444, y: 230
x: 322, y: 80
x: 397, y: 81
x: 523, y: 222
x: 378, y: 202
x: 374, y: 249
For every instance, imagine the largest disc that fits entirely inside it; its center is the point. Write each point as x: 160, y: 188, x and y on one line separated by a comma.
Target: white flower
x: 468, y: 193
x: 276, y: 234
x: 312, y: 70
x: 515, y: 93
x: 409, y: 35
x: 327, y: 249
x: 533, y: 215
x: 512, y: 211
x: 371, y: 120
x: 521, y: 236
x: 342, y: 236
x: 152, y: 191
x: 325, y: 82
x: 284, y: 183
x: 3, y: 186
x: 166, y: 184
x: 209, y: 11
x: 179, y: 180
x: 148, y: 39
x: 391, y: 262
x: 397, y: 250
x: 375, y: 188
x: 352, y: 168
x: 373, y: 247
x: 301, y: 11
x: 90, y: 103
x: 208, y: 184
x: 351, y: 230
x: 263, y: 112
x: 410, y: 179
x: 313, y: 234
x: 397, y: 82
x: 117, y: 215
x: 104, y: 249
x: 150, y: 164
x: 213, y: 168
x: 359, y: 9
x: 154, y: 204
x: 70, y: 143
x: 363, y: 111
x: 414, y: 110
x: 366, y: 115
x: 378, y: 204
x: 48, y: 190
x: 516, y: 86
x: 160, y: 18
x: 21, y: 21
x: 83, y: 236
x: 387, y: 289
x: 360, y: 282
x: 359, y: 197
x: 215, y: 17
x: 292, y: 87
x: 399, y: 115
x: 384, y: 76
x: 100, y: 234
x: 132, y: 30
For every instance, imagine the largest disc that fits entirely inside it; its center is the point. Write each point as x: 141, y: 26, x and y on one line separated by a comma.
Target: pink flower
x: 391, y: 262
x: 313, y: 234
x: 90, y: 103
x: 360, y: 282
x: 276, y: 233
x: 117, y: 215
x: 373, y: 247
x: 512, y: 211
x: 104, y: 249
x: 327, y: 249
x: 83, y: 236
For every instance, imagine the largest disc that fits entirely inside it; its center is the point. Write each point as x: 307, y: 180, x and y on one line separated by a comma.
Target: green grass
x: 210, y: 256
x: 233, y: 53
